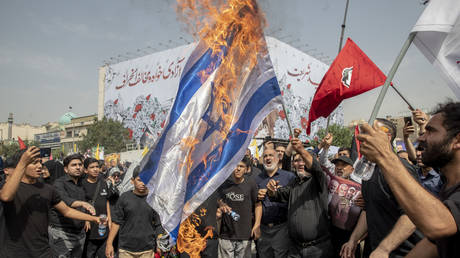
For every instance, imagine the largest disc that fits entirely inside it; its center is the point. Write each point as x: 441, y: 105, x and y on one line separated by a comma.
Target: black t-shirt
x: 100, y: 203
x: 26, y: 219
x: 69, y: 191
x: 449, y: 247
x: 139, y: 223
x: 383, y: 211
x: 241, y: 198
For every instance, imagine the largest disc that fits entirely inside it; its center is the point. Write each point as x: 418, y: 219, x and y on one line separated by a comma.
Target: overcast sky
x: 50, y: 50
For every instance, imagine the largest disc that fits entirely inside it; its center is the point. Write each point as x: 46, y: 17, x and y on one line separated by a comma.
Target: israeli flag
x: 191, y: 159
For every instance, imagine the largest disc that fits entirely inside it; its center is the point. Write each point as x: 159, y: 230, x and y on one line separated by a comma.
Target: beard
x: 436, y: 155
x: 271, y: 167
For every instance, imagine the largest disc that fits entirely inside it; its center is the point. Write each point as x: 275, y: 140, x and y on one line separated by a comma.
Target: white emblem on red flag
x: 346, y: 76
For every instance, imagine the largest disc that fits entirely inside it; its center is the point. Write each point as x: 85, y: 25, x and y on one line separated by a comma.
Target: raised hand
x: 420, y: 117
x: 31, y: 154
x: 272, y: 186
x: 297, y: 132
x: 261, y: 194
x: 408, y: 130
x: 297, y: 145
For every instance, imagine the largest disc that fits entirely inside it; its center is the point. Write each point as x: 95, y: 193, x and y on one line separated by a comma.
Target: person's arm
x: 427, y: 212
x: 307, y: 158
x: 87, y: 206
x: 423, y: 249
x: 421, y: 119
x: 71, y: 213
x: 323, y: 159
x: 348, y: 249
x: 407, y: 131
x: 109, y: 252
x: 311, y: 164
x: 255, y: 232
x: 288, y: 151
x: 277, y: 193
x: 400, y: 232
x: 11, y: 186
x: 157, y: 225
x: 109, y: 215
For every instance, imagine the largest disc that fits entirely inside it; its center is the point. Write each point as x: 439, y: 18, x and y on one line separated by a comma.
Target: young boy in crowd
x: 238, y: 194
x: 98, y: 194
x: 138, y: 223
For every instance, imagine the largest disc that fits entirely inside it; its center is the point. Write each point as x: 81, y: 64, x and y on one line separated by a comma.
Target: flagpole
x: 403, y: 98
x: 390, y: 76
x: 287, y: 119
x: 340, y: 48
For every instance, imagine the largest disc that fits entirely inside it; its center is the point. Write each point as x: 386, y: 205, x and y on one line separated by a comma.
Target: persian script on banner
x: 140, y: 92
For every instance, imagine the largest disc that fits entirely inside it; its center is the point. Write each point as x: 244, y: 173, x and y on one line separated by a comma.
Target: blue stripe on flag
x: 197, y: 178
x: 188, y: 86
x: 201, y: 174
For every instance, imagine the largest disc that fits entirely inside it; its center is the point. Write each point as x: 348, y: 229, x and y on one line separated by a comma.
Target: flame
x: 189, y: 240
x: 234, y: 25
x: 189, y: 144
x: 233, y: 30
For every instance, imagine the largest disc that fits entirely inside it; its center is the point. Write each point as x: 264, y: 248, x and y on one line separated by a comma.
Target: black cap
x: 343, y: 158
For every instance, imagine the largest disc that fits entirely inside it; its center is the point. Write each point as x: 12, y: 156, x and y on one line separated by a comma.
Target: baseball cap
x: 343, y: 159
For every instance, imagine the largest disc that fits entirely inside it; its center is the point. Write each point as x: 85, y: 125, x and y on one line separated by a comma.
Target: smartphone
x: 408, y: 120
x: 45, y: 152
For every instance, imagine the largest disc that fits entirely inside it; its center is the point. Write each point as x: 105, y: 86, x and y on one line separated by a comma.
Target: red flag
x: 351, y: 74
x: 22, y: 145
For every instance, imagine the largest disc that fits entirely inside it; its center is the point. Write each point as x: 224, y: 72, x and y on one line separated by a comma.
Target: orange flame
x: 237, y: 26
x: 189, y: 240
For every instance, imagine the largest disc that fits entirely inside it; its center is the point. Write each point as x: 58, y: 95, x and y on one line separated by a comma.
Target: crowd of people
x: 291, y: 202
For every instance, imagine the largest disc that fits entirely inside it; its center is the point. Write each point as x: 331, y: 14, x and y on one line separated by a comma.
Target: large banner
x: 140, y: 92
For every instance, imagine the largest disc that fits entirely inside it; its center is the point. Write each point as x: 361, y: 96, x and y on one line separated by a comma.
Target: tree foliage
x: 108, y: 133
x: 342, y: 135
x: 8, y: 149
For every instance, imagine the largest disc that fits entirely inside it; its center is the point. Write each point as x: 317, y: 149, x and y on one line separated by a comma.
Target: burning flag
x: 227, y: 87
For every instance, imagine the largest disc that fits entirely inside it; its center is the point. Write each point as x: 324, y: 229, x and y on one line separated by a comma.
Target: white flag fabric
x: 180, y: 177
x: 438, y: 38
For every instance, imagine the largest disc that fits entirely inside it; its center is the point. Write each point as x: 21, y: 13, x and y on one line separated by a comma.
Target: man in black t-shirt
x: 26, y: 204
x: 306, y: 196
x: 239, y: 195
x: 67, y: 236
x: 97, y: 194
x: 438, y: 219
x: 137, y: 223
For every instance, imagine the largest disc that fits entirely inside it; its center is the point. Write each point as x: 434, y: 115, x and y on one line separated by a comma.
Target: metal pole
x: 343, y: 26
x: 390, y: 76
x: 403, y: 98
x: 340, y: 48
x: 287, y: 119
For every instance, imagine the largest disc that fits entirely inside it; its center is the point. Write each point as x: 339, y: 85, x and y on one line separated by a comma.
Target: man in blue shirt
x: 274, y: 240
